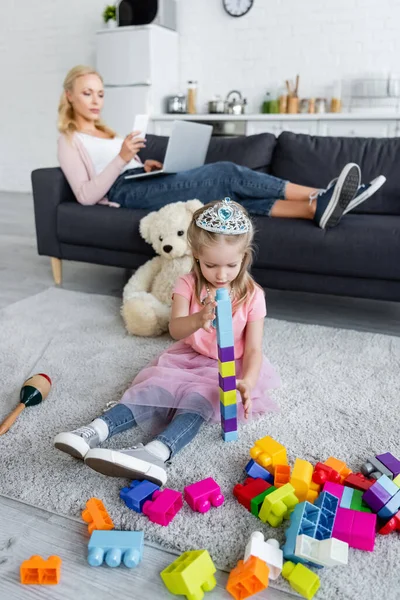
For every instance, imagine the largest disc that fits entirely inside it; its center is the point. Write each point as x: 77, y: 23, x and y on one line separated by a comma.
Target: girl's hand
x: 207, y: 315
x: 131, y: 146
x: 245, y: 391
x: 152, y: 165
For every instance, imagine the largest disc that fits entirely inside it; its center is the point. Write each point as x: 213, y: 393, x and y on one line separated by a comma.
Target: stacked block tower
x: 226, y: 366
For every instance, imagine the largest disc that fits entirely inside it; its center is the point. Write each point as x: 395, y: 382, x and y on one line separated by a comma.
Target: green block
x: 357, y: 502
x: 257, y: 501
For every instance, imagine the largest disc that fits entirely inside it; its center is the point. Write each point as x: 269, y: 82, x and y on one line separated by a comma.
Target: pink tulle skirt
x: 182, y: 380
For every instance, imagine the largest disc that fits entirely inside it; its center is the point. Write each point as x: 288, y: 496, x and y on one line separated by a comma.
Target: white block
x: 327, y: 553
x: 268, y: 551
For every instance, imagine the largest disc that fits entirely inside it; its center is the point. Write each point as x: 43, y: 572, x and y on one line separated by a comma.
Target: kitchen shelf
x: 352, y: 116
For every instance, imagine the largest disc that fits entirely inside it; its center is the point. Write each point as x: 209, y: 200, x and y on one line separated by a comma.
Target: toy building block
x: 281, y: 476
x: 249, y: 489
x: 228, y: 398
x: 278, y: 505
x: 163, y: 507
x: 356, y: 528
x: 390, y: 462
x: 380, y: 493
x: 374, y: 468
x: 229, y: 411
x: 347, y: 496
x: 114, y: 547
x: 396, y: 481
x: 268, y: 453
x: 226, y: 354
x: 226, y: 369
x: 256, y: 502
x: 339, y: 466
x: 323, y: 473
x: 230, y: 436
x: 96, y: 515
x: 328, y: 504
x: 305, y: 488
x: 248, y: 578
x: 391, y: 508
x: 255, y: 470
x: 227, y: 384
x: 392, y: 525
x: 358, y: 481
x: 268, y: 551
x: 137, y: 493
x: 203, y: 494
x: 229, y: 424
x: 223, y: 319
x: 357, y: 503
x: 38, y: 571
x: 325, y: 553
x: 302, y: 580
x: 336, y: 489
x: 190, y: 575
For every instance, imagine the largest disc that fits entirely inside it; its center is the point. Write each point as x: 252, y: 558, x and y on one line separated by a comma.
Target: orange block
x: 339, y: 466
x: 268, y: 453
x: 97, y: 516
x: 36, y: 571
x: 301, y: 480
x: 282, y: 475
x: 248, y: 578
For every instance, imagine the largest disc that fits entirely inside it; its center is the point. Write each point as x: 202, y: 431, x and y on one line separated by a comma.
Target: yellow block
x: 227, y: 398
x: 278, y: 505
x: 226, y: 369
x: 190, y: 575
x: 396, y: 480
x: 268, y: 453
x: 301, y: 480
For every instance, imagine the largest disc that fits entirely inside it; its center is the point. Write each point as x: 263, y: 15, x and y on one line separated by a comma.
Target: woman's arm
x: 87, y: 191
x: 182, y: 325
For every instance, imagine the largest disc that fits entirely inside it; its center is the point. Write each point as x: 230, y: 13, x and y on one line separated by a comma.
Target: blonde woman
x: 95, y: 160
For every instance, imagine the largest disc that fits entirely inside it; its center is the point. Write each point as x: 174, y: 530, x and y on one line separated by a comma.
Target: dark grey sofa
x: 360, y: 257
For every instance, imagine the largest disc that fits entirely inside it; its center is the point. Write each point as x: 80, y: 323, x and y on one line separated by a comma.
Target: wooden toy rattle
x: 33, y: 391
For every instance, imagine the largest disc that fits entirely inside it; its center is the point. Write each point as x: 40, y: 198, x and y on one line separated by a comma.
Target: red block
x: 249, y: 489
x: 392, y: 525
x: 358, y: 481
x: 323, y: 473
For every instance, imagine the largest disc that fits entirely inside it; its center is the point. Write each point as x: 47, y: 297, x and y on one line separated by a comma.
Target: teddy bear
x: 147, y: 297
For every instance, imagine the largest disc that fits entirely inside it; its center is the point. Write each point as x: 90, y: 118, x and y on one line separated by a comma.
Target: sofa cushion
x: 101, y: 227
x: 314, y: 161
x: 361, y: 246
x: 253, y: 151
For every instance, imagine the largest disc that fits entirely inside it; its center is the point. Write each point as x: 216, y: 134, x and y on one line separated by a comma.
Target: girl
x: 95, y: 162
x: 181, y: 385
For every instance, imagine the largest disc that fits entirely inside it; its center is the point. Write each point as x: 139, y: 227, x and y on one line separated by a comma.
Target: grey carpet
x: 339, y: 397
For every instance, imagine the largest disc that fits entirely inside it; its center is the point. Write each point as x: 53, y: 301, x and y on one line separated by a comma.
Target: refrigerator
x: 139, y: 66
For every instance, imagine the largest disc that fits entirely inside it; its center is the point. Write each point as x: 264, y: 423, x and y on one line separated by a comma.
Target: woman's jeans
x: 177, y: 434
x: 257, y: 192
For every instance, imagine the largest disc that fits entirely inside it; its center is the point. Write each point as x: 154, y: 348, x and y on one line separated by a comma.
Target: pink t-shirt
x: 206, y: 343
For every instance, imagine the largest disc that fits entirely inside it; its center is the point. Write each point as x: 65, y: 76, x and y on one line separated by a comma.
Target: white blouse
x: 102, y: 151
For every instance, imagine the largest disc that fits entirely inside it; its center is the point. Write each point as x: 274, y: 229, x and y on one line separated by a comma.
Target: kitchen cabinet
x: 365, y: 128
x: 276, y: 127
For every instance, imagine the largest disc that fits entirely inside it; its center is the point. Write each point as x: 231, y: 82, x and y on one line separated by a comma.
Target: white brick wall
x: 321, y: 40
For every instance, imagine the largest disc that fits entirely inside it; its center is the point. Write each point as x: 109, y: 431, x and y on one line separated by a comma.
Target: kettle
x: 235, y: 105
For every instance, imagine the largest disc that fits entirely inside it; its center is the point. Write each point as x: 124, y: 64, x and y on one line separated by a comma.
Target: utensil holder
x: 293, y: 105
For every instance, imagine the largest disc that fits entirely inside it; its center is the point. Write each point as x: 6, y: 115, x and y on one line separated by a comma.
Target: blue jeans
x: 257, y: 192
x: 182, y: 429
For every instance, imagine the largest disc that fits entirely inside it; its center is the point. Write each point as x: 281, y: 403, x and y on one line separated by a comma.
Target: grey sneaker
x: 77, y: 443
x: 132, y: 463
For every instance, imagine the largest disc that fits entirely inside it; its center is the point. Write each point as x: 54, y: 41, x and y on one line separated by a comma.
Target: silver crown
x: 224, y: 217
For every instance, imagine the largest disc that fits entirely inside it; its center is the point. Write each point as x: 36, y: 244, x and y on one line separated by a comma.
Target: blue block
x: 303, y: 519
x: 115, y: 547
x: 255, y: 470
x: 388, y: 485
x: 137, y: 494
x: 328, y: 503
x: 230, y: 436
x: 228, y: 412
x: 391, y: 508
x: 347, y: 497
x: 225, y: 338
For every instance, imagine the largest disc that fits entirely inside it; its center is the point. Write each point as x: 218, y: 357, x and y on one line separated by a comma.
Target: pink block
x: 343, y: 524
x: 334, y: 488
x: 203, y: 494
x: 363, y: 531
x: 163, y: 506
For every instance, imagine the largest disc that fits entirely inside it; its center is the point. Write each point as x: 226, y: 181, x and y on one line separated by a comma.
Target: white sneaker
x: 77, y: 443
x: 365, y: 191
x: 133, y: 463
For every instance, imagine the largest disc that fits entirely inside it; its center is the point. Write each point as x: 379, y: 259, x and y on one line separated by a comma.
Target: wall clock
x: 237, y: 8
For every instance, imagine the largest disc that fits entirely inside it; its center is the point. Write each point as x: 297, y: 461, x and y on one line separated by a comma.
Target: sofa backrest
x: 254, y: 151
x: 314, y: 161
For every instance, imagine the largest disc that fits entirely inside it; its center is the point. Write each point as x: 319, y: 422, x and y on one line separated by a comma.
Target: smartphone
x: 140, y: 124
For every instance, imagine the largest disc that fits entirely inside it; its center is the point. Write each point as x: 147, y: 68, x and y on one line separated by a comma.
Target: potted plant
x: 110, y: 16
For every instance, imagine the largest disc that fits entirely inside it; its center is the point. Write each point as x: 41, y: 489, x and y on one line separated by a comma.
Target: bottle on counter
x: 265, y: 107
x: 274, y: 106
x: 283, y: 101
x: 192, y: 97
x: 336, y: 100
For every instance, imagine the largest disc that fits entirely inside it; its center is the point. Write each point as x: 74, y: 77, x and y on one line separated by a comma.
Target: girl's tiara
x: 224, y: 217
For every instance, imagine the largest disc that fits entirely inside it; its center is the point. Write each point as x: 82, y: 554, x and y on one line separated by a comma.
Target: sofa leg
x: 56, y: 267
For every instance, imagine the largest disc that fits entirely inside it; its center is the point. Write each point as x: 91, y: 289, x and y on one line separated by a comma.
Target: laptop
x: 187, y: 149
